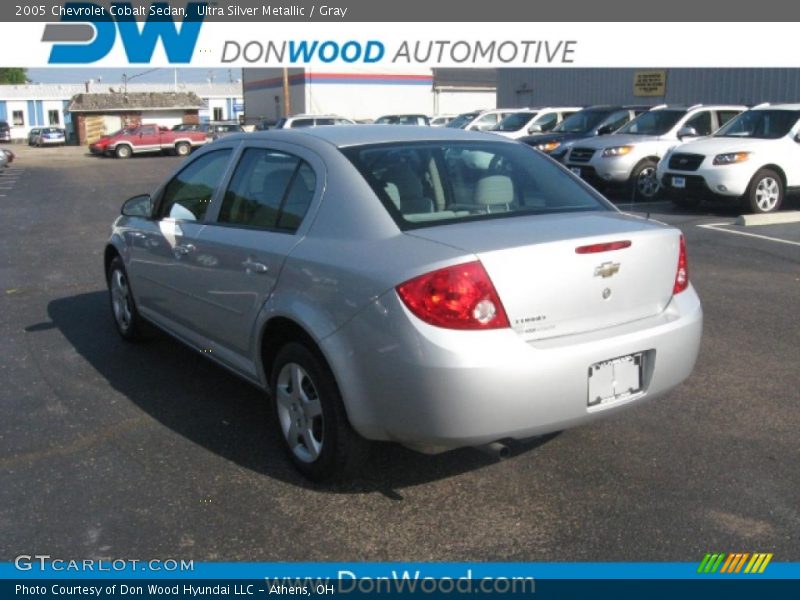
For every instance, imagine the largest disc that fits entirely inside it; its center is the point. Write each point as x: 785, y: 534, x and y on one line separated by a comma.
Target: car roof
x: 700, y: 106
x: 356, y: 135
x: 313, y: 116
x: 786, y: 106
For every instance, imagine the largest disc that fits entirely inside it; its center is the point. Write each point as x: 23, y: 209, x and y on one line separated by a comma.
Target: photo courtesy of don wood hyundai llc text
x: 362, y: 299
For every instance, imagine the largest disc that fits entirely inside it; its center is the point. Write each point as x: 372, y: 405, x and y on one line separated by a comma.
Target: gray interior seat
x: 494, y: 192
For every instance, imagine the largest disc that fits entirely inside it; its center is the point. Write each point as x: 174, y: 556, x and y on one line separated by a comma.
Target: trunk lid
x: 549, y: 290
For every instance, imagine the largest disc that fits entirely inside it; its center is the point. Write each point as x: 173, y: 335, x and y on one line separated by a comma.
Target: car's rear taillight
x: 458, y: 297
x: 682, y: 274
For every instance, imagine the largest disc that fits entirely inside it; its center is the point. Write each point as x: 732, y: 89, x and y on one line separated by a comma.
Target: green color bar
x: 703, y: 563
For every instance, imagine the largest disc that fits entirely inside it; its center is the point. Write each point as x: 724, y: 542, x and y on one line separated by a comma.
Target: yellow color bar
x: 765, y: 563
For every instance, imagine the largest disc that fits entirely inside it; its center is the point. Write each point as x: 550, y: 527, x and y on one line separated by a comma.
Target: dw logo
x: 88, y: 31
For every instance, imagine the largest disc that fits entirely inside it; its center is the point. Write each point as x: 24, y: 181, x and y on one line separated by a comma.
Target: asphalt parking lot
x: 150, y: 451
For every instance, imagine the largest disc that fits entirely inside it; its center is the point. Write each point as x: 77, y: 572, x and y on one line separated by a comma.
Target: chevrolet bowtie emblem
x: 607, y: 269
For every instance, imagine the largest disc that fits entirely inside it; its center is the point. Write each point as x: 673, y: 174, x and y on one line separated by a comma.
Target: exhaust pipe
x: 497, y: 450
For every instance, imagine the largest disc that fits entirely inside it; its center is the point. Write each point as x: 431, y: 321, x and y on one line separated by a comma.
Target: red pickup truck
x: 148, y: 138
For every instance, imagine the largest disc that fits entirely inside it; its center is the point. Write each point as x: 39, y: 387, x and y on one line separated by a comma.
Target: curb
x: 792, y: 216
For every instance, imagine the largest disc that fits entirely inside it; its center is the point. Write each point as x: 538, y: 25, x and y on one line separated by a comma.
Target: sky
x: 145, y: 75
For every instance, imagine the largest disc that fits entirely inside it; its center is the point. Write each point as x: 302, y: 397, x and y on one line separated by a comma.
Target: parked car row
x: 689, y: 154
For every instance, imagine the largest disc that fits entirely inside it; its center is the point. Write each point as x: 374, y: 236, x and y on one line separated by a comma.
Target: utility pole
x: 287, y: 101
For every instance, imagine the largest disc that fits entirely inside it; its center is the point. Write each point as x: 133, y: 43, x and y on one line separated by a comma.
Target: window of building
x: 217, y: 113
x: 53, y: 117
x: 18, y: 118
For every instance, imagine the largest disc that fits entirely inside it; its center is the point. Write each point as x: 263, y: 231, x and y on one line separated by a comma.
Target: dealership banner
x: 238, y: 34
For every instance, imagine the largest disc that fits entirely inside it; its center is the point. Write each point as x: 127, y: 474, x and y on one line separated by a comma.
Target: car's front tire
x: 765, y: 192
x: 644, y: 184
x: 123, y: 151
x: 182, y: 149
x: 310, y: 416
x: 128, y: 322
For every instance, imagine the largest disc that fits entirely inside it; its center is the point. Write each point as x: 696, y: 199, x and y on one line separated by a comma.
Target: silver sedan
x: 429, y: 286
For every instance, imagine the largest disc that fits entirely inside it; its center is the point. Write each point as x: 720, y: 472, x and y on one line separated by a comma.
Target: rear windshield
x: 654, y: 122
x: 434, y: 183
x: 763, y: 124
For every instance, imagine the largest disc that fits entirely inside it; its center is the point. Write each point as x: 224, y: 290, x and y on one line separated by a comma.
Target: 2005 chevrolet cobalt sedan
x: 434, y: 287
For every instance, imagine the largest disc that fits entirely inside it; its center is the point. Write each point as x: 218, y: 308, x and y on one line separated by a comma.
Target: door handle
x: 183, y: 250
x: 252, y: 266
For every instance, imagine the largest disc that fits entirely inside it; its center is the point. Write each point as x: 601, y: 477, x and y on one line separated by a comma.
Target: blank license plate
x: 679, y: 182
x: 614, y: 379
x: 575, y: 170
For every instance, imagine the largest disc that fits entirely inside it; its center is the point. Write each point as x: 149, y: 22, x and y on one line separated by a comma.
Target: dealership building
x: 366, y: 93
x: 581, y: 87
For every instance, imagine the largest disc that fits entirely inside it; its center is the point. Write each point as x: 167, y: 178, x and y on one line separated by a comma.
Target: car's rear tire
x: 644, y: 185
x: 123, y: 151
x: 765, y: 192
x: 127, y: 320
x: 182, y: 149
x: 310, y: 416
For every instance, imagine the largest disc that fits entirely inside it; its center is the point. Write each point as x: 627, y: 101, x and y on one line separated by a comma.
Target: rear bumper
x: 406, y: 381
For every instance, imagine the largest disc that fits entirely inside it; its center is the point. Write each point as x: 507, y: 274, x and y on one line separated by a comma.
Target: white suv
x: 629, y: 157
x: 533, y: 120
x: 312, y: 121
x: 755, y: 156
x: 481, y: 120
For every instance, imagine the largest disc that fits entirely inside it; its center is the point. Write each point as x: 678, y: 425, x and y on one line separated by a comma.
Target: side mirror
x: 605, y: 129
x: 535, y: 128
x: 797, y: 138
x: 138, y: 206
x: 687, y: 132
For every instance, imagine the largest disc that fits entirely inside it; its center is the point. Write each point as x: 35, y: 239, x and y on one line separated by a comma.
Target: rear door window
x: 701, y: 122
x: 726, y: 115
x: 269, y: 190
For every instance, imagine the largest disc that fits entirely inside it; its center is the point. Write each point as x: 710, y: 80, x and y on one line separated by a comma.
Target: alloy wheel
x: 121, y: 300
x: 768, y: 193
x: 647, y: 183
x: 300, y: 412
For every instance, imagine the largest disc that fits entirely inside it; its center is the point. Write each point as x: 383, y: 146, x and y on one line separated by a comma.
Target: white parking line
x: 717, y: 227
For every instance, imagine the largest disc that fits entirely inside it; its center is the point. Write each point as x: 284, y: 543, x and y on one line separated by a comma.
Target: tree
x: 13, y: 76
